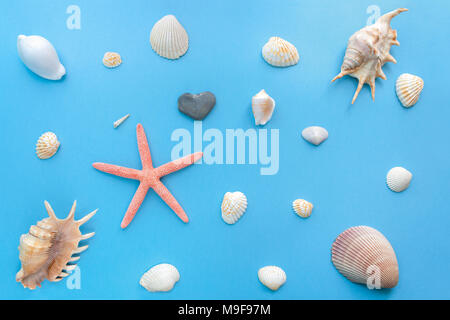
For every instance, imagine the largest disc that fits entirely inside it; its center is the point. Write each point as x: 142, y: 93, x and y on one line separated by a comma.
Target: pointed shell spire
x: 262, y: 106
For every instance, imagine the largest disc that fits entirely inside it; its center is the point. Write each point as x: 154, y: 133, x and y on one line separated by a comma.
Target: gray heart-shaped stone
x: 196, y: 106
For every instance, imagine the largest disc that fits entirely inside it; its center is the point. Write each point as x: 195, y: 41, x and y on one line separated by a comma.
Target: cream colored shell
x: 398, y: 179
x: 408, y: 88
x: 280, y: 53
x: 315, y: 135
x: 160, y: 278
x: 233, y: 207
x: 272, y: 277
x: 302, y: 208
x: 262, y: 106
x: 112, y: 59
x: 47, y: 145
x: 168, y: 38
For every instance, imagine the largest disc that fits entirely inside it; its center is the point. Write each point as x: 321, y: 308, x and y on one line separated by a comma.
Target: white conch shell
x: 160, y: 278
x: 234, y: 205
x: 47, y: 145
x: 398, y: 179
x: 302, y: 207
x: 272, y: 277
x: 408, y: 88
x: 168, y: 38
x: 112, y: 59
x: 118, y: 122
x: 363, y: 255
x: 280, y: 53
x: 315, y: 135
x: 39, y: 55
x: 368, y: 50
x: 262, y: 107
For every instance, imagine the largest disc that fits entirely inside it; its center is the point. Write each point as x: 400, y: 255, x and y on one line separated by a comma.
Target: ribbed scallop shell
x: 363, y: 255
x: 112, y: 59
x: 272, y: 277
x: 315, y: 135
x: 161, y: 277
x: 47, y: 145
x: 262, y: 107
x: 398, y: 179
x: 408, y: 88
x: 168, y: 38
x: 46, y: 250
x: 280, y: 53
x: 234, y: 205
x: 302, y: 207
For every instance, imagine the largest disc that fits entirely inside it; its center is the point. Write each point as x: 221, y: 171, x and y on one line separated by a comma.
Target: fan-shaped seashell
x: 302, y: 207
x: 315, y: 135
x: 168, y: 38
x: 161, y: 277
x: 47, y: 249
x: 363, y: 255
x: 47, y: 145
x: 408, y: 88
x: 262, y: 107
x: 39, y: 55
x: 280, y: 53
x: 272, y: 277
x: 112, y: 59
x: 368, y: 50
x: 398, y: 179
x: 234, y: 205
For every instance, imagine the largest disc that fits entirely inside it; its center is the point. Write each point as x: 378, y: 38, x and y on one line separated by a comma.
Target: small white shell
x: 234, y: 205
x: 398, y: 179
x: 408, y: 88
x: 112, y: 59
x: 47, y: 145
x: 161, y: 277
x: 118, y: 122
x: 280, y: 53
x: 168, y: 38
x: 315, y: 135
x: 272, y: 277
x: 302, y: 207
x: 262, y: 107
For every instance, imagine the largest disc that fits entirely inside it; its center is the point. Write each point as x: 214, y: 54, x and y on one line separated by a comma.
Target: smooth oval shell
x: 408, y: 88
x: 39, y: 55
x: 112, y: 59
x: 398, y: 179
x: 280, y: 53
x: 47, y: 145
x: 272, y: 277
x: 168, y: 38
x: 262, y: 107
x: 233, y: 207
x: 315, y: 135
x: 302, y: 207
x: 160, y: 278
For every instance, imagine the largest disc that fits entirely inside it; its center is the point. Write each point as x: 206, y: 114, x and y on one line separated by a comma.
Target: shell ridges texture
x: 398, y: 179
x: 233, y: 207
x: 168, y: 38
x: 302, y: 208
x: 112, y: 59
x: 272, y: 277
x: 160, y: 278
x: 280, y: 53
x: 408, y: 88
x: 47, y: 145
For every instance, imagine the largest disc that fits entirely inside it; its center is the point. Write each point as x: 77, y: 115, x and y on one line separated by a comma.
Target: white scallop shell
x: 302, y: 207
x: 363, y: 255
x: 315, y: 135
x: 234, y: 205
x: 161, y: 277
x: 262, y: 107
x: 408, y: 88
x: 398, y: 179
x: 168, y: 38
x: 272, y: 277
x: 112, y: 59
x: 47, y: 145
x: 280, y: 53
x: 39, y: 55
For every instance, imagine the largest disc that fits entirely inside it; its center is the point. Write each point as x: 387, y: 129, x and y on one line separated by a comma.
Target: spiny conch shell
x: 120, y: 121
x: 234, y: 205
x: 408, y: 88
x: 262, y: 107
x: 47, y: 145
x: 112, y: 59
x: 272, y: 277
x: 168, y: 38
x: 315, y: 135
x: 39, y: 55
x: 363, y: 255
x: 280, y: 53
x: 398, y: 179
x: 161, y: 277
x: 47, y: 249
x: 302, y: 208
x: 368, y: 50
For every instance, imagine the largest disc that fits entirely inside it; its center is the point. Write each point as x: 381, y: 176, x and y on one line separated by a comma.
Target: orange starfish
x: 149, y: 177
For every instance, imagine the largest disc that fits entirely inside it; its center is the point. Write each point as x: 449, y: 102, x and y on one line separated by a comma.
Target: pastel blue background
x: 344, y: 177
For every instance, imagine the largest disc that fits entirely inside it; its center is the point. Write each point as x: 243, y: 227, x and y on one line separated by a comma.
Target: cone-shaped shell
x: 398, y: 179
x: 234, y: 205
x: 112, y: 59
x: 168, y: 38
x: 280, y: 53
x: 302, y: 208
x: 262, y: 107
x: 47, y: 145
x: 408, y: 88
x: 363, y: 255
x: 315, y: 135
x: 272, y: 277
x: 160, y: 278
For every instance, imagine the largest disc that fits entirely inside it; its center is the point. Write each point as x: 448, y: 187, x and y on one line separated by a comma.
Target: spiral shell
x: 112, y: 59
x: 398, y: 179
x: 168, y: 38
x: 280, y: 53
x: 234, y: 205
x: 262, y: 107
x: 302, y: 208
x: 408, y: 88
x: 272, y: 277
x: 160, y: 278
x: 47, y: 145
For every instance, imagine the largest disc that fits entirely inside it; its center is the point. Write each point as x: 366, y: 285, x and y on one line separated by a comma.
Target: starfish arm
x: 118, y: 171
x: 138, y: 197
x: 144, y: 150
x: 168, y: 198
x: 178, y: 164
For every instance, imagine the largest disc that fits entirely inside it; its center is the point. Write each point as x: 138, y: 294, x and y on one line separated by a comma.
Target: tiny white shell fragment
x: 160, y: 278
x: 233, y: 207
x: 280, y: 53
x: 120, y: 121
x: 262, y: 107
x: 302, y: 208
x: 47, y: 145
x: 315, y: 135
x: 168, y: 38
x: 408, y: 88
x: 272, y: 277
x: 398, y: 179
